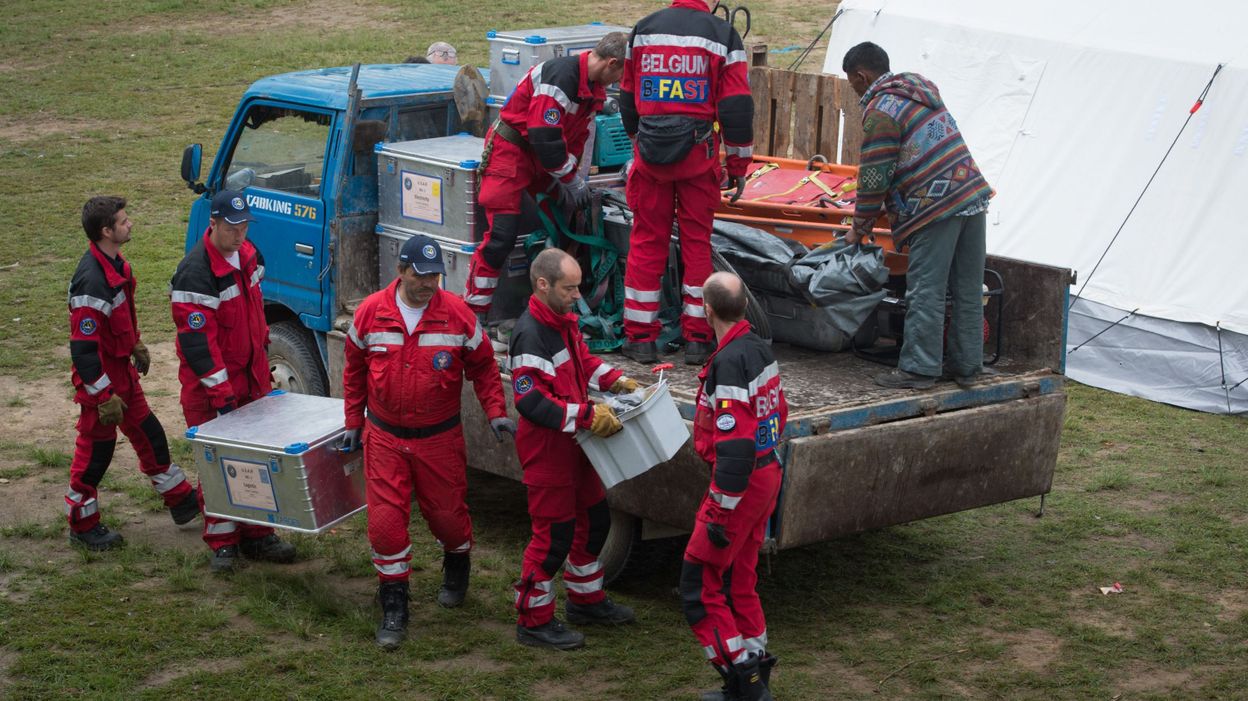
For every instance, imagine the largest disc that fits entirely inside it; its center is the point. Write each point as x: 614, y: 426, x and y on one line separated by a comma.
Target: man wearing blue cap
x: 409, y: 348
x: 222, y: 336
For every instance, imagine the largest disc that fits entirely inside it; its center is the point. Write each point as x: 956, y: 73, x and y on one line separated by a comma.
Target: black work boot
x: 393, y: 627
x: 553, y: 634
x: 269, y: 548
x: 766, y: 661
x: 97, y: 539
x: 455, y: 569
x: 605, y: 612
x: 186, y: 510
x: 224, y: 559
x: 728, y: 691
x: 696, y: 352
x: 641, y: 351
x: 750, y: 686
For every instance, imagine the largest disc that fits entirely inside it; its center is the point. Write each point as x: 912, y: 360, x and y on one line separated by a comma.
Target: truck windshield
x: 280, y: 149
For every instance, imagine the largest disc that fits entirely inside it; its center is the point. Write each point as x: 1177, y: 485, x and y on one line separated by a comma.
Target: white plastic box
x: 275, y: 462
x: 652, y: 434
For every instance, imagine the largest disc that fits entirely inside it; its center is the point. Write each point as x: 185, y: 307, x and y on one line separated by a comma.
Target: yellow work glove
x: 605, y: 422
x: 142, y: 359
x: 113, y: 409
x: 624, y: 385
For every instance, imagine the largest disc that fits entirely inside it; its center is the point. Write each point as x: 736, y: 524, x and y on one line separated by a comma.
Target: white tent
x: 1069, y: 109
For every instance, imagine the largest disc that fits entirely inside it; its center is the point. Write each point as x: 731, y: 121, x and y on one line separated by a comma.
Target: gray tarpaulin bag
x: 815, y: 299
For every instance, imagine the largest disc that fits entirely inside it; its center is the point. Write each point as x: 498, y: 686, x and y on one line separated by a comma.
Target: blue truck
x: 302, y: 147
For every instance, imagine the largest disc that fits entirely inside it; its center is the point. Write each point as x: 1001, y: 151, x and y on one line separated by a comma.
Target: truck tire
x: 626, y: 556
x: 295, y: 361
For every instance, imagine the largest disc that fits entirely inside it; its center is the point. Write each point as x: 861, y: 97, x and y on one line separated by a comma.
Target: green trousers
x: 947, y: 255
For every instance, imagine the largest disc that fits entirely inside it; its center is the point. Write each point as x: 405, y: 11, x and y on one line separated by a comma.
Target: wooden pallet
x: 799, y: 115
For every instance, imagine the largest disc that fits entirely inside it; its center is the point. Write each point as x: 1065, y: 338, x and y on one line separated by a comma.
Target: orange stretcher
x: 811, y: 202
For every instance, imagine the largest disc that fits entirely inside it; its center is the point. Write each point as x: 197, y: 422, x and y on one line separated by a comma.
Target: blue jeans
x: 947, y: 255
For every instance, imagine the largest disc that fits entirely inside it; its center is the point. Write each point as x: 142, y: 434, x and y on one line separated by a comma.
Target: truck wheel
x: 625, y: 534
x: 295, y: 361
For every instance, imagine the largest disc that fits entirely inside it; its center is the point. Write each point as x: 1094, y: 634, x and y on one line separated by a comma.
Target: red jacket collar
x: 436, y: 309
x: 738, y: 330
x: 110, y: 273
x: 583, y: 91
x: 220, y: 266
x: 691, y: 5
x: 547, y: 316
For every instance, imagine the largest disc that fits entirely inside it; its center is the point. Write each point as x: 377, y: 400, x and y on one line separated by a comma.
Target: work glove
x: 624, y: 385
x: 736, y: 182
x: 716, y: 532
x: 142, y: 359
x: 503, y: 425
x: 605, y: 422
x: 112, y: 410
x: 574, y: 194
x: 352, y: 440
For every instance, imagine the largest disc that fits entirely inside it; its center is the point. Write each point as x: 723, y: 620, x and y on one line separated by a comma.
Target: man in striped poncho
x: 915, y: 166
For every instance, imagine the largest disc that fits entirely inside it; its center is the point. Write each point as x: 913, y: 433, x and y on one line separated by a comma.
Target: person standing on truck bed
x: 552, y: 371
x: 685, y: 70
x: 408, y: 350
x: 915, y: 165
x: 535, y: 146
x: 108, y: 358
x: 740, y: 416
x: 218, y: 310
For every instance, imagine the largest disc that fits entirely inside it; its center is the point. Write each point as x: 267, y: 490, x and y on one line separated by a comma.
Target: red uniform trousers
x: 717, y: 585
x: 511, y: 172
x: 570, y: 517
x: 435, y: 469
x: 687, y: 193
x: 219, y: 532
x: 93, y: 451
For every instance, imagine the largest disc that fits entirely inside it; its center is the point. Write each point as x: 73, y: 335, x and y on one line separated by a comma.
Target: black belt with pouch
x: 668, y: 138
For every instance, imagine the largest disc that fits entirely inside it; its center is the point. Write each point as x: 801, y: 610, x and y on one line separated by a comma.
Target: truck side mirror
x: 191, y: 158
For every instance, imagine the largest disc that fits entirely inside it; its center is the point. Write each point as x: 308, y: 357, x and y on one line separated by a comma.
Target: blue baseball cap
x: 231, y: 205
x: 424, y: 255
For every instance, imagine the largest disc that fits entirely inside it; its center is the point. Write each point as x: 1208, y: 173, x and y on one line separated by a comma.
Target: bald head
x: 724, y: 293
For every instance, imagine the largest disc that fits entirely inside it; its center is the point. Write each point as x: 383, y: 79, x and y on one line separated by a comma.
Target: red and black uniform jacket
x: 552, y: 371
x: 103, y: 327
x: 415, y: 381
x: 553, y: 107
x: 741, y: 412
x: 684, y: 69
x: 222, y: 332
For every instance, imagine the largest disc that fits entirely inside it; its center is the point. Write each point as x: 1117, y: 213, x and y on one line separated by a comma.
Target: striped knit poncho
x: 914, y: 163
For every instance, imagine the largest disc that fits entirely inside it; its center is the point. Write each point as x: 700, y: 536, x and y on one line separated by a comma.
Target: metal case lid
x: 554, y: 35
x: 461, y: 151
x: 277, y: 421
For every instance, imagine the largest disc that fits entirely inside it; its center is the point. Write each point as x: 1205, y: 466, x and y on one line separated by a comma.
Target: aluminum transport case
x: 513, y: 53
x: 275, y: 462
x: 430, y: 186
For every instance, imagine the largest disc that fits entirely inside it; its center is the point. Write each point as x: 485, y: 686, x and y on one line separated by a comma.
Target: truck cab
x: 300, y: 146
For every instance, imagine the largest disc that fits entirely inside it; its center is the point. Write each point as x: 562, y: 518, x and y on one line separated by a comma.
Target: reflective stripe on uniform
x: 724, y: 500
x: 215, y: 378
x: 257, y: 275
x: 561, y: 357
x: 477, y: 337
x: 355, y: 337
x: 540, y: 88
x: 461, y: 548
x: 597, y: 376
x: 695, y: 292
x: 203, y: 300
x: 735, y: 57
x: 569, y: 417
x: 694, y: 310
x: 642, y: 295
x: 739, y: 151
x: 568, y: 166
x: 533, y: 361
x: 757, y: 644
x: 90, y: 507
x: 640, y: 315
x: 230, y: 292
x: 98, y: 386
x: 584, y: 587
x: 767, y: 374
x: 170, y: 478
x: 686, y: 42
x: 740, y: 394
x: 103, y: 306
x: 383, y: 337
x: 479, y: 299
x: 546, y: 597
x: 486, y: 282
x: 220, y: 528
x: 442, y: 339
x: 584, y: 570
x: 392, y: 569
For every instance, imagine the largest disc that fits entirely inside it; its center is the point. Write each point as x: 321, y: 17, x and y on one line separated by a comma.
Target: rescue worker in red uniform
x: 218, y: 310
x: 103, y: 342
x: 535, y: 147
x: 685, y: 69
x: 407, y: 353
x: 552, y: 371
x: 740, y: 417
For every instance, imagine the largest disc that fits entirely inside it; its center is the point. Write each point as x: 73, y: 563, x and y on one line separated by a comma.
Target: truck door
x: 278, y: 160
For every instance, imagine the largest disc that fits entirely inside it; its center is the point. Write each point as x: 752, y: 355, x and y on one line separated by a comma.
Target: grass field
x: 101, y: 97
